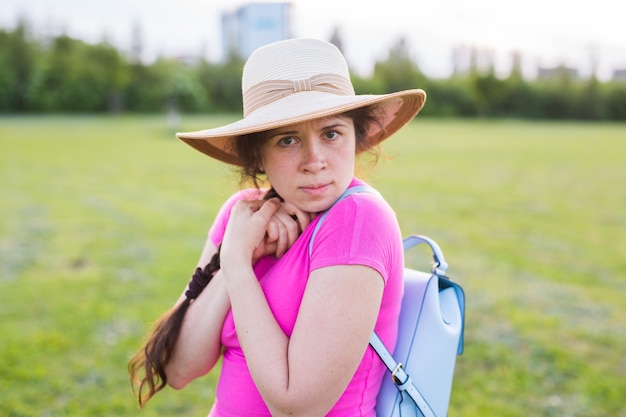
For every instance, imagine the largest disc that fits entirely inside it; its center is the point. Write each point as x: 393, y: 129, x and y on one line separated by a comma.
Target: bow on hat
x: 269, y: 91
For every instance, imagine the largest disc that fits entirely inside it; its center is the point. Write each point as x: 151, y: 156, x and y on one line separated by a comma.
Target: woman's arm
x: 307, y: 373
x: 199, y: 343
x: 198, y: 346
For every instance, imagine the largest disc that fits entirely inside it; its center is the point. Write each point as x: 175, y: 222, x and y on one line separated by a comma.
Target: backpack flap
x: 450, y: 300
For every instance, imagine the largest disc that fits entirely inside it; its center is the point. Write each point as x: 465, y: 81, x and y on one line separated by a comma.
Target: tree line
x: 63, y: 74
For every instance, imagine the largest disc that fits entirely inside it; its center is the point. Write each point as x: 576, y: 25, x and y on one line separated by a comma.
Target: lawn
x: 102, y: 219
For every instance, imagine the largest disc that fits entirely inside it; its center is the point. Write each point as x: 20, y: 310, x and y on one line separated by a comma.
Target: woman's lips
x: 315, y: 189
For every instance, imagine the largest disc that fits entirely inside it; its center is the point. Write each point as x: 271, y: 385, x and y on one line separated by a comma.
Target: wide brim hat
x: 298, y: 80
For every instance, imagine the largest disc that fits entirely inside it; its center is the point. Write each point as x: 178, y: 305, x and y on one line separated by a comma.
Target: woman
x: 291, y: 316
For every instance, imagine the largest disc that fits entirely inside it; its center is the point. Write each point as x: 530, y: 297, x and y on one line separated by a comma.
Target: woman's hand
x: 284, y: 227
x: 262, y: 227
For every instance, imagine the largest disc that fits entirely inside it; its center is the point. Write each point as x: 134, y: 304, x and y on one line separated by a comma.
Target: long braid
x: 157, y: 352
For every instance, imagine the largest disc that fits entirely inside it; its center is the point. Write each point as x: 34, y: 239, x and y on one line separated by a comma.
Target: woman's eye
x: 286, y: 141
x: 331, y: 134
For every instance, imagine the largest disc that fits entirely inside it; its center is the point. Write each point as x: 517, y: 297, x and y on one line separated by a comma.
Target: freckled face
x: 310, y: 164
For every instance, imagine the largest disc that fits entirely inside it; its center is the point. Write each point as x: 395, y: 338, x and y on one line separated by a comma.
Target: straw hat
x: 298, y: 80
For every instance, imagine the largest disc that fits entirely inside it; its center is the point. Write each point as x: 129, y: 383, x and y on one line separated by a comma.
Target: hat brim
x: 397, y: 109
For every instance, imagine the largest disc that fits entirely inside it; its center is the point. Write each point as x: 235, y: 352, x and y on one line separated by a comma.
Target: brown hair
x: 157, y: 352
x: 152, y: 359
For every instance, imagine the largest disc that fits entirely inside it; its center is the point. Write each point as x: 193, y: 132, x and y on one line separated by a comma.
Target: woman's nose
x: 314, y: 159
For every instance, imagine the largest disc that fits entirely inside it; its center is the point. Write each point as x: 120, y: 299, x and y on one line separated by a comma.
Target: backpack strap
x: 402, y: 380
x: 441, y: 266
x: 356, y: 189
x: 410, y: 393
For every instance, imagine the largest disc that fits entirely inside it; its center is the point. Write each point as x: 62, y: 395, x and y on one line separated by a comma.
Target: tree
x: 616, y: 101
x: 181, y: 86
x: 68, y: 75
x: 556, y: 95
x: 143, y: 92
x: 18, y: 55
x: 398, y: 72
x: 75, y: 76
x: 222, y: 84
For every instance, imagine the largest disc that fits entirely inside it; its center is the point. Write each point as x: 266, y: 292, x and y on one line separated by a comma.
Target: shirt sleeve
x: 359, y: 230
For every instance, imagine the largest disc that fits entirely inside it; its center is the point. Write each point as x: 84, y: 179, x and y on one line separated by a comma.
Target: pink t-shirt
x: 359, y: 230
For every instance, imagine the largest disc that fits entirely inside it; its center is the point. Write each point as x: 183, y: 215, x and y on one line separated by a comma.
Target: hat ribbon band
x: 267, y: 92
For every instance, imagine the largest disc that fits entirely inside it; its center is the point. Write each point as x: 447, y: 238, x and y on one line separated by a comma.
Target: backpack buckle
x: 399, y: 368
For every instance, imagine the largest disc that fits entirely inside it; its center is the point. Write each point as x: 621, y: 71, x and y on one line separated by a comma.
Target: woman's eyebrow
x: 283, y: 132
x: 334, y: 125
x: 333, y: 121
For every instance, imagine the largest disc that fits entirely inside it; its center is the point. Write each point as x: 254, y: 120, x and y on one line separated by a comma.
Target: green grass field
x: 102, y: 220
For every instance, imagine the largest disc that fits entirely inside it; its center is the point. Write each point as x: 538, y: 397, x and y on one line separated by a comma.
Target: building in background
x: 619, y: 74
x: 254, y: 25
x: 545, y: 73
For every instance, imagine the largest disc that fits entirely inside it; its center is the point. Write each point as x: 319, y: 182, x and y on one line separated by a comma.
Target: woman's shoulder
x: 359, y: 229
x: 364, y: 211
x: 368, y: 201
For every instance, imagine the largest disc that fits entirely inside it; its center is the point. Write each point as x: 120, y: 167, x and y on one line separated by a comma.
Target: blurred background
x: 516, y: 167
x: 539, y: 59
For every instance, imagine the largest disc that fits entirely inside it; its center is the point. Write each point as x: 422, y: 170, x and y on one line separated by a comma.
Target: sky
x: 583, y: 34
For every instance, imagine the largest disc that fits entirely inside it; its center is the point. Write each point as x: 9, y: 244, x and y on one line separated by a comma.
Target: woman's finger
x: 283, y: 243
x: 303, y: 218
x: 289, y: 224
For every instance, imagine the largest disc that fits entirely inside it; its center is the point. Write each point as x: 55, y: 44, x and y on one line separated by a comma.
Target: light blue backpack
x: 430, y: 336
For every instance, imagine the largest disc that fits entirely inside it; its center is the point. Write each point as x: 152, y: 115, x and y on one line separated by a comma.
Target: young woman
x: 291, y: 316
